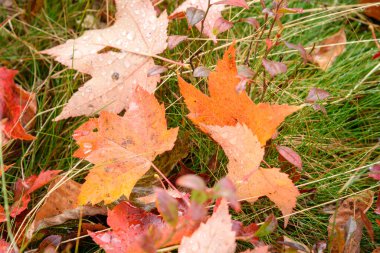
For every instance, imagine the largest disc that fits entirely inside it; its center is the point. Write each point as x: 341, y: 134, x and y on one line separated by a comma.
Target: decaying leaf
x: 329, y: 49
x: 241, y: 128
x: 122, y: 148
x: 225, y: 106
x: 135, y: 231
x: 17, y: 108
x: 346, y: 225
x: 291, y: 246
x: 215, y: 235
x: 258, y: 249
x: 61, y: 205
x: 136, y: 35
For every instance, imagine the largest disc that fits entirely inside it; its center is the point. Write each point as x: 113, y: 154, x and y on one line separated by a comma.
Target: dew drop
x: 131, y: 35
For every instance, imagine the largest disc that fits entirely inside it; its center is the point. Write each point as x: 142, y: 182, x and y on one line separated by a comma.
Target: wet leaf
x: 115, y: 73
x: 122, y: 148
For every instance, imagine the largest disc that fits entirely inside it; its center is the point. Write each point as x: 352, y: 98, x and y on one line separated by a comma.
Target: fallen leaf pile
x: 242, y: 128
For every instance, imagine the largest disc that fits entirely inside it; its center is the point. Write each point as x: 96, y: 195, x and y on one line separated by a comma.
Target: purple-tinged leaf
x: 167, y: 206
x: 191, y: 181
x: 368, y: 225
x: 375, y: 171
x: 252, y: 21
x: 317, y: 107
x: 194, y: 15
x: 268, y: 12
x: 268, y: 227
x: 221, y: 25
x: 156, y: 70
x: 225, y: 188
x: 290, y: 155
x: 245, y: 71
x: 241, y: 86
x: 305, y: 55
x: 377, y: 210
x: 201, y: 71
x: 175, y: 40
x: 274, y: 68
x: 238, y: 3
x: 316, y: 94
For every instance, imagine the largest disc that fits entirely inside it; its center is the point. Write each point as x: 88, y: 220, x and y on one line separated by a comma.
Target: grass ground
x: 337, y: 149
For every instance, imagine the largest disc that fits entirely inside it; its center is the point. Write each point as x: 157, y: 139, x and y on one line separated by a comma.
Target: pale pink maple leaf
x: 118, y: 58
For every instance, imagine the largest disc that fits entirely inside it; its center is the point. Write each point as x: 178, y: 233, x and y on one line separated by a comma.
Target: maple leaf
x: 17, y: 107
x: 216, y: 235
x: 245, y: 153
x: 213, y: 15
x: 226, y: 106
x: 241, y: 127
x: 122, y: 148
x: 136, y: 35
x: 325, y: 55
x: 135, y: 231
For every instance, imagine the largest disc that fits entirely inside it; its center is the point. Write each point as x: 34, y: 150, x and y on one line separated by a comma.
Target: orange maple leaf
x: 122, y: 148
x: 242, y: 127
x: 226, y: 106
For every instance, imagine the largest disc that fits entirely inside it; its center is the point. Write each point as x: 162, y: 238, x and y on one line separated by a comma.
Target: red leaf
x: 131, y: 227
x: 377, y: 55
x: 23, y: 189
x: 191, y: 181
x: 167, y: 206
x: 290, y: 155
x: 6, y: 247
x: 17, y: 107
x: 252, y: 21
x: 316, y: 94
x: 375, y: 171
x: 305, y: 55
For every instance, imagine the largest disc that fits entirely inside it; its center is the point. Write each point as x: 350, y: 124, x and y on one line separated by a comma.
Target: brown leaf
x: 136, y: 35
x: 374, y: 11
x: 61, y: 205
x: 325, y: 55
x: 348, y: 221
